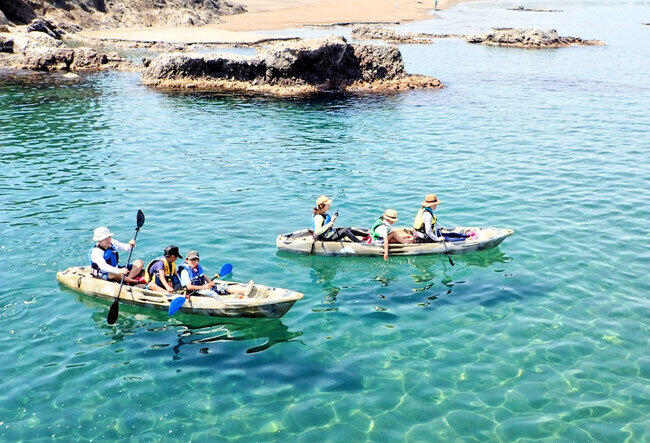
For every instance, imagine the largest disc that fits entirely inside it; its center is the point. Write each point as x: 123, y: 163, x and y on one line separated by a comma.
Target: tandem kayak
x: 303, y: 241
x: 263, y: 301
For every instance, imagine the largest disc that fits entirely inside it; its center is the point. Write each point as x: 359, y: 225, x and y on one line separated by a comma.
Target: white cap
x: 101, y: 233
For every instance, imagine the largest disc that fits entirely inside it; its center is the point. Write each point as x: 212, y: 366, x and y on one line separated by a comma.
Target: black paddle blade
x: 140, y: 219
x: 112, y: 312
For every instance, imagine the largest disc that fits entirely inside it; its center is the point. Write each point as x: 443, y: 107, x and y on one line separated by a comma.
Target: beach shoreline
x: 264, y: 16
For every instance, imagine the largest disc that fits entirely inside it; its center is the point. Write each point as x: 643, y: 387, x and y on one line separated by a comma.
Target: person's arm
x: 319, y: 227
x: 97, y: 256
x: 185, y: 281
x: 430, y: 230
x: 161, y: 276
x: 123, y: 246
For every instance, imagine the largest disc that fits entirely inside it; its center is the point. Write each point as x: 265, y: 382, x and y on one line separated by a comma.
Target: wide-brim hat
x: 390, y: 214
x: 323, y: 200
x: 101, y: 233
x: 431, y: 200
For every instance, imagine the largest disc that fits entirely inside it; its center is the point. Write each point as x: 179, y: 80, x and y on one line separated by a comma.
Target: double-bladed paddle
x: 115, y: 307
x: 178, y: 302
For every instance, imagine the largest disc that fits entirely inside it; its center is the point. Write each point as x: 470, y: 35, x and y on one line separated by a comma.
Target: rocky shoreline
x: 529, y: 39
x: 523, y: 8
x: 287, y: 69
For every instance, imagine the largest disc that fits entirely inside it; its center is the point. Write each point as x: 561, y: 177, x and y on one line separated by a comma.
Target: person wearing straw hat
x: 324, y: 229
x: 425, y: 224
x: 382, y: 232
x: 104, y: 258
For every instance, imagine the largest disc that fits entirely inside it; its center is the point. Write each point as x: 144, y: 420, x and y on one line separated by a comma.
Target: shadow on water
x: 190, y: 329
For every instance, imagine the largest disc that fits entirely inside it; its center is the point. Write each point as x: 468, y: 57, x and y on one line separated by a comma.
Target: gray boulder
x: 68, y: 59
x: 26, y: 41
x: 3, y: 19
x: 528, y: 38
x: 46, y: 27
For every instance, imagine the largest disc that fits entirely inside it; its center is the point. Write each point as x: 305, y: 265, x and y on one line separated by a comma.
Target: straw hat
x: 390, y: 214
x: 102, y: 233
x: 431, y: 200
x: 323, y: 200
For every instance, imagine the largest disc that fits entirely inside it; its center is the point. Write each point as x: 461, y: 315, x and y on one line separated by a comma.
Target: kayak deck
x: 263, y: 301
x: 302, y: 241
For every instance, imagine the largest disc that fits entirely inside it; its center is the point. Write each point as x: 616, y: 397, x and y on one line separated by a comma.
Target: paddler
x: 193, y: 279
x: 160, y: 273
x: 425, y: 224
x: 382, y: 232
x: 324, y: 229
x: 104, y: 258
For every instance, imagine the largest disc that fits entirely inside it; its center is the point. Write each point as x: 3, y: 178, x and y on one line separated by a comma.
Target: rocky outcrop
x: 294, y: 68
x: 368, y: 32
x: 523, y: 8
x: 38, y: 51
x: 529, y: 38
x: 119, y: 13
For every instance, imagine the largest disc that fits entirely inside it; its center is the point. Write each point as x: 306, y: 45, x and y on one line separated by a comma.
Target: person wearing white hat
x: 382, y: 233
x: 324, y: 229
x: 104, y: 258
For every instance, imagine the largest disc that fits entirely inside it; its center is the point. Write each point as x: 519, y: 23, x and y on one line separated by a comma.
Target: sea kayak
x: 303, y: 241
x: 263, y: 301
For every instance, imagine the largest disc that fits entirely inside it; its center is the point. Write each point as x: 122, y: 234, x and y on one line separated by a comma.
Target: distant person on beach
x: 193, y: 279
x: 324, y: 229
x: 160, y: 273
x: 104, y: 258
x: 382, y: 233
x: 425, y: 224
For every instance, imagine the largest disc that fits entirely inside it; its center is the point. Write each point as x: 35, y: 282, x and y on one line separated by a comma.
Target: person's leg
x: 135, y: 268
x: 396, y: 237
x: 349, y: 234
x: 118, y: 278
x: 156, y: 285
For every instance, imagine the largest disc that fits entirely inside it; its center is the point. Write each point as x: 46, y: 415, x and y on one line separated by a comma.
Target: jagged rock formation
x: 294, y: 68
x: 368, y: 32
x: 39, y: 51
x: 529, y: 38
x: 523, y: 8
x: 119, y: 13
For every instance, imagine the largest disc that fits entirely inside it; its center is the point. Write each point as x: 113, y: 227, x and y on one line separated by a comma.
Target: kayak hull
x: 302, y: 242
x: 263, y: 302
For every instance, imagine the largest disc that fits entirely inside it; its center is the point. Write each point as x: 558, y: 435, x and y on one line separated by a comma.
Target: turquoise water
x: 545, y: 337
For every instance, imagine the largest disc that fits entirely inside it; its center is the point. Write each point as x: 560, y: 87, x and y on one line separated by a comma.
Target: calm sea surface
x: 545, y: 337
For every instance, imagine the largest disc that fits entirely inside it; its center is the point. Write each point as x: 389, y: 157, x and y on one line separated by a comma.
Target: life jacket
x: 169, y: 268
x: 326, y: 220
x: 379, y: 222
x: 418, y: 223
x: 197, y: 277
x: 111, y: 256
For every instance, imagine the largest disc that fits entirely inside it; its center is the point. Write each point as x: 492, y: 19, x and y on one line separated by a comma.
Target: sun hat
x: 323, y: 200
x: 172, y: 250
x: 390, y: 214
x: 101, y: 233
x: 431, y: 200
x: 192, y: 254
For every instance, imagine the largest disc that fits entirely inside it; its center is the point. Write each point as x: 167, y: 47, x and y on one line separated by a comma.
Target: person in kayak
x: 324, y: 229
x: 193, y: 279
x: 425, y: 224
x: 382, y: 233
x: 160, y: 273
x: 104, y: 258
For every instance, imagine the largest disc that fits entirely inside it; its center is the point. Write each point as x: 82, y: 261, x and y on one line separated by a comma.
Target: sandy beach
x: 267, y: 15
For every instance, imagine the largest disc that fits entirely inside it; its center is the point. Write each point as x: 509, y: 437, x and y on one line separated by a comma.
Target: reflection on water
x: 190, y: 329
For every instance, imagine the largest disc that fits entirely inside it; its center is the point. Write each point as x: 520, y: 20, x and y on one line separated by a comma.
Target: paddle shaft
x: 128, y: 260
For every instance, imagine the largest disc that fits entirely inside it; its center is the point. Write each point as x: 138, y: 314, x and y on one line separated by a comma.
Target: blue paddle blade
x: 175, y: 305
x: 225, y: 270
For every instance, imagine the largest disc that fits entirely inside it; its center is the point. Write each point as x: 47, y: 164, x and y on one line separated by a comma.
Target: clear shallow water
x: 545, y: 337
